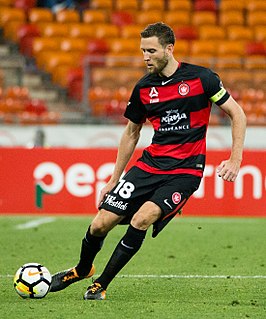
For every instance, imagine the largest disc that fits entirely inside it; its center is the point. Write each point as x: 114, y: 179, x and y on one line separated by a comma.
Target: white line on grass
x: 181, y: 276
x: 195, y: 276
x: 35, y: 223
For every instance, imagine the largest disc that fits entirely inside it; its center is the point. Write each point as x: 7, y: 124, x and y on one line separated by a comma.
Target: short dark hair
x: 162, y: 31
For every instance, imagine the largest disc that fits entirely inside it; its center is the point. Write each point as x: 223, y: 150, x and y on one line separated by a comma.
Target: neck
x: 170, y: 69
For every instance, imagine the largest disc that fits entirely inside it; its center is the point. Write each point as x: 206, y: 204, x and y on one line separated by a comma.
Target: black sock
x: 124, y: 251
x: 90, y: 246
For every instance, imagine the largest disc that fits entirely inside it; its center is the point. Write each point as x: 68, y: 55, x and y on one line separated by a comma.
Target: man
x: 176, y: 98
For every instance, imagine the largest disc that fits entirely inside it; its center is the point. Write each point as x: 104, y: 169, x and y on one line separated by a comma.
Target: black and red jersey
x: 178, y: 107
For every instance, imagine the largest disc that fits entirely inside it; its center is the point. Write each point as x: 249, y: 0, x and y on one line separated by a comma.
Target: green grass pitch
x: 196, y: 268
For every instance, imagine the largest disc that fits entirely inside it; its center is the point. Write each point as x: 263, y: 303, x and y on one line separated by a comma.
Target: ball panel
x: 22, y: 290
x: 32, y: 280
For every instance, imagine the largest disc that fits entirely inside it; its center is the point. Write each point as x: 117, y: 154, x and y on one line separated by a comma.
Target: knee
x: 98, y: 228
x: 146, y: 216
x: 103, y: 223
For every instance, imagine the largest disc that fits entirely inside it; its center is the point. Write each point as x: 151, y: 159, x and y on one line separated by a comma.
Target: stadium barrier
x: 68, y: 181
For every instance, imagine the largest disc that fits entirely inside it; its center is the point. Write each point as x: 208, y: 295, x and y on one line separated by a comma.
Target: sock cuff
x: 91, y: 238
x: 136, y: 231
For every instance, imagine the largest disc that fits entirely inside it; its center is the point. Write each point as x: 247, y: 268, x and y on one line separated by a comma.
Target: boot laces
x: 95, y: 287
x: 70, y: 275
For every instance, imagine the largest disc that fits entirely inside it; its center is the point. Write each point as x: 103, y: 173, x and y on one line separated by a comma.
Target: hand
x: 228, y: 170
x: 105, y: 191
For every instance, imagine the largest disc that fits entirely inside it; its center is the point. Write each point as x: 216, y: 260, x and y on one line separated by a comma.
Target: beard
x: 160, y: 65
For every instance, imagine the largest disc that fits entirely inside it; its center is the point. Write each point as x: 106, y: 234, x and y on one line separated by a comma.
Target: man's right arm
x: 126, y: 149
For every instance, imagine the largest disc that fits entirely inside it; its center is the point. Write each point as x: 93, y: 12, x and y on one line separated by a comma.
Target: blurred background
x: 67, y: 69
x: 76, y: 62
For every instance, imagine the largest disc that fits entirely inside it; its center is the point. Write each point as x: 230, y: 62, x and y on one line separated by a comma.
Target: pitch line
x: 35, y: 223
x: 194, y: 276
x: 178, y: 276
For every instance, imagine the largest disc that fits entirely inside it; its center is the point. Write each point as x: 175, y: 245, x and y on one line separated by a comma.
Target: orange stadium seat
x: 42, y: 44
x: 239, y: 32
x: 120, y: 76
x: 214, y: 32
x: 203, y: 47
x: 81, y: 30
x: 103, y: 76
x: 230, y: 54
x: 6, y: 3
x: 106, y: 30
x: 259, y: 33
x: 202, y: 52
x: 122, y: 93
x: 179, y: 5
x: 256, y: 5
x: 53, y: 29
x: 94, y: 16
x: 152, y: 5
x: 10, y: 30
x: 200, y: 18
x: 67, y: 16
x: 256, y: 18
x: 126, y: 46
x: 177, y: 18
x: 73, y: 45
x: 231, y: 47
x: 229, y: 5
x: 131, y: 31
x: 153, y: 16
x: 17, y: 92
x: 38, y: 15
x: 227, y: 18
x: 11, y: 14
x: 129, y: 5
x: 53, y: 59
x: 101, y: 4
x: 235, y: 78
x: 60, y: 75
x: 120, y: 59
x: 182, y: 49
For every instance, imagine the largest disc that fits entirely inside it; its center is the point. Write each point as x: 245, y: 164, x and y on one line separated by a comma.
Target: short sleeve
x: 135, y: 110
x: 216, y: 91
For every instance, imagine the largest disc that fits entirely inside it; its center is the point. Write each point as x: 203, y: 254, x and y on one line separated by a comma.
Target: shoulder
x: 197, y: 70
x: 147, y: 80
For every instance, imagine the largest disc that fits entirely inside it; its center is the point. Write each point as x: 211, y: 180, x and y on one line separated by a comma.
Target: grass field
x: 196, y: 268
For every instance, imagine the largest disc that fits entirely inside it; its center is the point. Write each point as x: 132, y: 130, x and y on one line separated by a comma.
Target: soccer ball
x: 32, y: 280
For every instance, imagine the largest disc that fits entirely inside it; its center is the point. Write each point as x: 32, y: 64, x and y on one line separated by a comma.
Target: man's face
x: 155, y: 55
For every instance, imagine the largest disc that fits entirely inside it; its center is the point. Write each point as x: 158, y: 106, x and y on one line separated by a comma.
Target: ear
x: 170, y: 49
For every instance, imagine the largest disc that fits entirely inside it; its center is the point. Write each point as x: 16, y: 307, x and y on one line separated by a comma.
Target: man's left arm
x: 228, y: 169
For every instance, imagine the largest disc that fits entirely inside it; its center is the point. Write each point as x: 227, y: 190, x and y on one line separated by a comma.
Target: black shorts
x: 169, y: 192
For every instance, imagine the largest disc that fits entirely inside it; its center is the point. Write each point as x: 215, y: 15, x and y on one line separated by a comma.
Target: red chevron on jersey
x: 172, y: 91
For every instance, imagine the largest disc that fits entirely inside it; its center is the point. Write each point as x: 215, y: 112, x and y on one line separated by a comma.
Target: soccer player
x: 176, y: 97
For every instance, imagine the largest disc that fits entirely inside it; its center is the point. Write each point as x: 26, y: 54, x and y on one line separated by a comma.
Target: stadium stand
x: 39, y: 15
x: 94, y: 16
x: 129, y: 5
x: 67, y: 16
x: 103, y: 39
